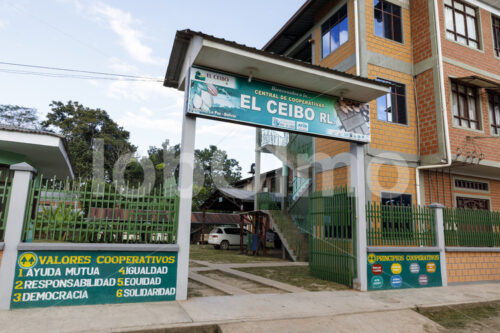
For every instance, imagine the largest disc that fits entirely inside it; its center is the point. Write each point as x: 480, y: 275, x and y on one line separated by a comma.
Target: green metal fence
x: 5, y: 188
x: 297, y: 210
x: 90, y: 211
x: 471, y: 228
x: 332, y: 221
x: 391, y: 225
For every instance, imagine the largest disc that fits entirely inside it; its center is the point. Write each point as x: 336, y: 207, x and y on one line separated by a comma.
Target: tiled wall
x: 472, y: 266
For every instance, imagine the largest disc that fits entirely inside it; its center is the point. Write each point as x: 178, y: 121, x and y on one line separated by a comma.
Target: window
x: 473, y: 203
x: 496, y: 34
x: 392, y: 107
x: 494, y: 101
x: 395, y: 199
x: 387, y: 20
x: 394, y: 217
x: 471, y: 185
x: 232, y: 231
x: 334, y: 31
x: 464, y: 103
x: 461, y: 23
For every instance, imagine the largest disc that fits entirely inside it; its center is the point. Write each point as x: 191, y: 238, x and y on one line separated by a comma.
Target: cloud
x: 144, y: 91
x: 122, y: 23
x: 226, y: 130
x: 120, y: 66
x: 3, y: 23
x: 144, y: 119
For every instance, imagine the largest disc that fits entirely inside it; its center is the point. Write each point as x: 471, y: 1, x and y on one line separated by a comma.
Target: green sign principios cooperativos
x: 403, y: 270
x: 219, y: 95
x: 61, y: 278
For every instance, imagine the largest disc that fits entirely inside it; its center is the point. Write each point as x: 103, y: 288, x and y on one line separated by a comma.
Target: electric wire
x: 78, y: 74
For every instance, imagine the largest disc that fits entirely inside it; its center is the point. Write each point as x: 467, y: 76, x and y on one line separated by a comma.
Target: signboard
x: 61, y: 278
x: 227, y: 97
x: 403, y: 270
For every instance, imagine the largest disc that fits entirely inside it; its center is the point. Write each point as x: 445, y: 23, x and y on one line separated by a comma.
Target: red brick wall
x: 483, y: 58
x: 426, y: 104
x: 420, y: 30
x: 488, y: 146
x: 439, y: 188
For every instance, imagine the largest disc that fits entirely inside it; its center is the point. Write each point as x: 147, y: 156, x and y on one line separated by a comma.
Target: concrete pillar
x: 358, y: 179
x: 256, y: 177
x: 186, y: 168
x: 440, y: 244
x: 13, y: 229
x: 284, y: 187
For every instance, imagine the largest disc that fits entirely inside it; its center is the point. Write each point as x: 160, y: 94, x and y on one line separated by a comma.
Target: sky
x: 132, y: 38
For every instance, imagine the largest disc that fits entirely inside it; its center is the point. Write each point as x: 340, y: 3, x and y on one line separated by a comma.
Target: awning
x: 196, y: 48
x: 45, y: 151
x: 481, y: 82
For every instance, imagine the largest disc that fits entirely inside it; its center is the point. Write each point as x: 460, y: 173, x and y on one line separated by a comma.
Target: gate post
x: 440, y: 243
x: 256, y: 179
x: 186, y: 167
x: 14, y: 229
x: 358, y: 180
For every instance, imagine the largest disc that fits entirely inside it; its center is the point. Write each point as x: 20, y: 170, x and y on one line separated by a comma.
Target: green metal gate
x: 332, y: 222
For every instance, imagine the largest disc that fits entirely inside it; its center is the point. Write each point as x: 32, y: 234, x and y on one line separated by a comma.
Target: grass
x: 208, y: 253
x: 298, y: 276
x: 462, y: 316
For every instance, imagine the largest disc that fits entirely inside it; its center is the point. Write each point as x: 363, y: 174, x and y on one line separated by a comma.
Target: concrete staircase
x: 292, y: 239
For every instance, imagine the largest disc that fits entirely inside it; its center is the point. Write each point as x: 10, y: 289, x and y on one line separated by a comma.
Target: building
x: 436, y: 136
x: 47, y: 152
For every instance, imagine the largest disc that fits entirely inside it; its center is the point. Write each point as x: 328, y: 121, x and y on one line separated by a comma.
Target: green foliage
x: 82, y: 126
x: 19, y: 116
x: 59, y: 218
x: 219, y: 170
x: 213, y: 168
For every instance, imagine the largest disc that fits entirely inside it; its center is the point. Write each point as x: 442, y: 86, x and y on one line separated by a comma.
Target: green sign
x: 227, y: 97
x: 397, y: 270
x: 60, y: 278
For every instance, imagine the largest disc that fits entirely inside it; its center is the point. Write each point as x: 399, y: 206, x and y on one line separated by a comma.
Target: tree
x: 219, y: 171
x: 19, y: 116
x: 82, y: 126
x: 213, y: 169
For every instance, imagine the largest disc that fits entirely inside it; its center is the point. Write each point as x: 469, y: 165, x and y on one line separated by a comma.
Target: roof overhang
x: 481, y: 82
x: 194, y: 48
x: 46, y: 152
x: 296, y: 27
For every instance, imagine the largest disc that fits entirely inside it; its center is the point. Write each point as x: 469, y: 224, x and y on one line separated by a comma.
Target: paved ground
x: 382, y: 311
x: 231, y: 288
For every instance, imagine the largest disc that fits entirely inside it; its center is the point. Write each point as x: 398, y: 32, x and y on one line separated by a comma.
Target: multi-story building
x: 436, y: 136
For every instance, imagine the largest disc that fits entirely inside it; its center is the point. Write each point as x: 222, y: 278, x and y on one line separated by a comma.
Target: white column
x: 186, y: 168
x: 283, y: 187
x: 438, y: 213
x: 256, y: 177
x: 358, y: 179
x: 13, y: 229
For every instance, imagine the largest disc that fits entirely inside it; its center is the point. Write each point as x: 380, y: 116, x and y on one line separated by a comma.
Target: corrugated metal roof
x: 238, y: 193
x: 29, y: 130
x: 215, y: 218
